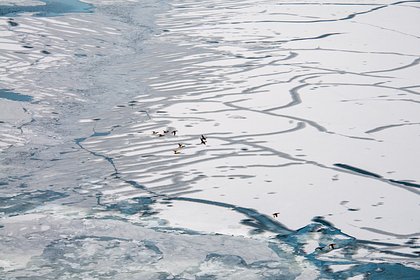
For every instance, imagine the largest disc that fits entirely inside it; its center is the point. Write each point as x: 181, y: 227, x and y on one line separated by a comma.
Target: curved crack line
x: 391, y: 233
x: 413, y: 63
x: 350, y: 51
x: 388, y: 29
x: 382, y: 99
x: 267, y: 149
x: 308, y: 38
x: 402, y: 99
x: 333, y: 71
x: 344, y: 168
x: 400, y: 183
x: 295, y: 39
x: 378, y: 85
x: 299, y: 126
x: 309, y: 122
x: 380, y: 128
x: 264, y: 221
x: 116, y: 174
x: 353, y: 15
x: 180, y: 164
x: 294, y: 93
x: 252, y: 90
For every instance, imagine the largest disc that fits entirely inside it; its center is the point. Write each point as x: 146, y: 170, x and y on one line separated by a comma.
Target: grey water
x: 90, y: 191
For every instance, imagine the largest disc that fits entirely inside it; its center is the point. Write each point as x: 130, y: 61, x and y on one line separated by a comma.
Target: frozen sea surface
x: 309, y: 109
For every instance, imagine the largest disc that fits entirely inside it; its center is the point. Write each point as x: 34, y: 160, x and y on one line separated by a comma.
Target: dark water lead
x: 357, y: 170
x: 51, y: 8
x: 10, y: 95
x: 374, y: 175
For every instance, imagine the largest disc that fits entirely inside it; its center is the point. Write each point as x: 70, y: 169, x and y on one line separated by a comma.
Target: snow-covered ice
x: 309, y: 110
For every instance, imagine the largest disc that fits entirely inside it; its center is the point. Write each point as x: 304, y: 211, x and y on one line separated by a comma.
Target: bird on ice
x: 203, y: 140
x: 180, y: 147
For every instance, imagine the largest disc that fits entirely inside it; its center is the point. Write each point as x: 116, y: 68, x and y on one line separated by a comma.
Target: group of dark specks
x: 165, y: 132
x: 327, y: 248
x: 203, y: 139
x: 322, y: 249
x: 12, y: 22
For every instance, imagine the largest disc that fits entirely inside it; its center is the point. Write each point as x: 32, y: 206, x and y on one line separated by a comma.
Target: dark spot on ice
x: 378, y: 204
x: 12, y: 23
x: 45, y: 52
x: 353, y: 209
x: 22, y: 186
x: 65, y: 152
x: 412, y: 241
x: 256, y: 231
x: 27, y: 47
